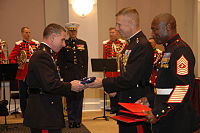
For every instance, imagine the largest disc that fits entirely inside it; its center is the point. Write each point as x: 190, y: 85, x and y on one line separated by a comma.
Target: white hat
x: 71, y: 26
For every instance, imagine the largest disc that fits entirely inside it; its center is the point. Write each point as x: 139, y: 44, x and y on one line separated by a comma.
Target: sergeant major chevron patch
x: 182, y: 66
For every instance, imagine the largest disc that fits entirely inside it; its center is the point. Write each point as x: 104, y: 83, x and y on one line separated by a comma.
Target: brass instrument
x: 21, y: 59
x: 3, y: 49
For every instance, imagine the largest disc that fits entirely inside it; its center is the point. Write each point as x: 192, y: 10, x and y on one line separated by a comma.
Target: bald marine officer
x: 73, y: 63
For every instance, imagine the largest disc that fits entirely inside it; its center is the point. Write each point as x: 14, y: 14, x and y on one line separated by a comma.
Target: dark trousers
x: 74, y: 107
x: 35, y: 130
x: 114, y: 103
x: 23, y: 94
x: 139, y: 127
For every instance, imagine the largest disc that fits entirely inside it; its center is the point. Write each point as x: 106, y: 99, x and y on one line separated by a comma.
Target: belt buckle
x: 155, y: 91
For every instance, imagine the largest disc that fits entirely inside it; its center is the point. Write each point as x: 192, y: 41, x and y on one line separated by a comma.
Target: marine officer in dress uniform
x: 114, y: 49
x: 172, y: 110
x: 44, y: 112
x: 73, y: 63
x: 21, y: 54
x: 137, y: 67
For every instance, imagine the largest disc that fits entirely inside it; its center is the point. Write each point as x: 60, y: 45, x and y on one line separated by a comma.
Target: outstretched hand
x: 77, y: 86
x: 96, y: 84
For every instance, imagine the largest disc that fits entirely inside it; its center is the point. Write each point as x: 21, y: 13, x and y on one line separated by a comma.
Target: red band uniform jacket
x: 29, y: 47
x: 109, y: 52
x: 2, y: 56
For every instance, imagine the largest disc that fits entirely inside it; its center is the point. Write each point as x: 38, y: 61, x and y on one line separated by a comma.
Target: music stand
x: 7, y: 73
x: 104, y: 65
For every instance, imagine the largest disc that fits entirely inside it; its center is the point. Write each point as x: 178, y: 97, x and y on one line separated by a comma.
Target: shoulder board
x: 121, y: 40
x: 105, y: 42
x: 35, y: 41
x: 19, y: 42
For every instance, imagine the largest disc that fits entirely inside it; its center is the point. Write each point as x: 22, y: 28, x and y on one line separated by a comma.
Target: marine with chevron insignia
x: 172, y: 111
x: 21, y: 54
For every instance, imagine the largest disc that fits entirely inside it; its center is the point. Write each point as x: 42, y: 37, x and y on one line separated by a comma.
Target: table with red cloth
x: 195, y: 96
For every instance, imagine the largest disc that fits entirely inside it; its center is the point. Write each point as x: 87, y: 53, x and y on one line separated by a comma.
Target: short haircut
x: 112, y: 28
x: 53, y: 28
x: 168, y: 19
x: 22, y: 29
x: 131, y: 13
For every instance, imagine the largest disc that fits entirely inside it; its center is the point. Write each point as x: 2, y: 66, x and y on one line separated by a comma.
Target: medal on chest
x: 165, y: 60
x: 80, y: 47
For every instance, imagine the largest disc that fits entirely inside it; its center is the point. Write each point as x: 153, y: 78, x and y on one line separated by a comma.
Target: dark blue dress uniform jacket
x: 132, y: 83
x: 73, y: 61
x: 45, y: 111
x: 134, y: 76
x: 174, y: 111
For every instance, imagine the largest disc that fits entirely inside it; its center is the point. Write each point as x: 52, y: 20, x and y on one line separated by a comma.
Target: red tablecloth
x: 195, y: 96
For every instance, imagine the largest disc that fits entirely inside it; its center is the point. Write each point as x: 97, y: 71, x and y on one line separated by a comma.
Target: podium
x: 104, y: 65
x: 7, y: 73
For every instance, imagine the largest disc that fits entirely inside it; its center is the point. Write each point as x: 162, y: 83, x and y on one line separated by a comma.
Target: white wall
x: 147, y: 9
x: 106, y: 19
x: 56, y: 11
x: 15, y: 14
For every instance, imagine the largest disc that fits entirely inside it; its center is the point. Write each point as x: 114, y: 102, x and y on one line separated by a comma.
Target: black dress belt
x: 36, y: 91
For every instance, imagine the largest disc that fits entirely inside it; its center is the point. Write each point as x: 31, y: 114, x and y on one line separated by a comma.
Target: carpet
x: 19, y: 128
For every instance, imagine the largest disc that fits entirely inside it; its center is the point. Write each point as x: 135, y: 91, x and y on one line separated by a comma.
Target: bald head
x: 167, y: 19
x: 163, y: 27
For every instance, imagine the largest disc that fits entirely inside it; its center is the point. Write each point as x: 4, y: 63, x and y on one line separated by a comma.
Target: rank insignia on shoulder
x: 80, y: 47
x: 165, y: 60
x: 182, y: 66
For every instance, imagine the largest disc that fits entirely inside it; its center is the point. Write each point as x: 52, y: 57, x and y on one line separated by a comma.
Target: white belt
x: 27, y: 60
x: 163, y: 91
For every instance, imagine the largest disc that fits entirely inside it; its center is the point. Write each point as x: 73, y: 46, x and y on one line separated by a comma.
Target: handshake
x: 91, y: 82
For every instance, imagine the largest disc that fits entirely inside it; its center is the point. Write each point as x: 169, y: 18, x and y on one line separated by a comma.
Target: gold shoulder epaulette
x: 105, y: 42
x: 35, y: 41
x: 18, y: 42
